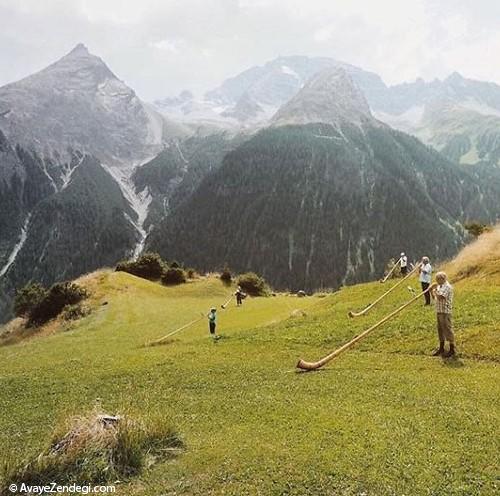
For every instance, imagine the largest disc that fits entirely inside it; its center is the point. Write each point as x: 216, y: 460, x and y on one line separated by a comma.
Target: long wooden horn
x: 316, y: 365
x: 371, y: 305
x: 224, y: 305
x: 391, y: 271
x: 185, y: 326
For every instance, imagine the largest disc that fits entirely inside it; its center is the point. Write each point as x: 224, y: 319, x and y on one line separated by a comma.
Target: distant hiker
x: 212, y: 322
x: 444, y: 306
x: 404, y: 264
x: 425, y: 278
x: 240, y: 295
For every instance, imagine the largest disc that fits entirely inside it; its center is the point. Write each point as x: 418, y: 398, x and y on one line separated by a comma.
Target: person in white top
x: 425, y: 278
x: 404, y: 264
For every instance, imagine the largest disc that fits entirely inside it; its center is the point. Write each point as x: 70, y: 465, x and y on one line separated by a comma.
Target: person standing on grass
x: 444, y: 306
x: 425, y: 278
x: 404, y: 264
x: 212, y: 323
x: 239, y: 296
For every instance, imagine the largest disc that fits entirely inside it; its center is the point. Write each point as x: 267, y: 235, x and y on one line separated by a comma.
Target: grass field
x: 383, y: 419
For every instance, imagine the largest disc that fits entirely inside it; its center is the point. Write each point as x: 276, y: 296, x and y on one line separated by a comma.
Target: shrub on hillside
x: 390, y: 265
x: 477, y: 228
x: 58, y: 296
x: 253, y: 284
x: 148, y: 266
x: 96, y: 448
x: 74, y: 312
x: 28, y: 298
x: 191, y: 273
x: 174, y: 275
x: 226, y: 277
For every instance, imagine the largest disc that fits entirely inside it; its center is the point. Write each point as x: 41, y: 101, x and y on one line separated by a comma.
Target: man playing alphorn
x: 425, y: 278
x: 444, y: 306
x: 404, y: 264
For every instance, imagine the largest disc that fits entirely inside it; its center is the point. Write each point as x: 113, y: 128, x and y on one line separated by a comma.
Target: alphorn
x: 224, y: 305
x: 185, y: 326
x: 303, y: 365
x: 371, y: 305
x: 391, y: 271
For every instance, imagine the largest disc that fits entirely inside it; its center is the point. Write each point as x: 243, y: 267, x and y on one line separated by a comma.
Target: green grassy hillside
x: 383, y: 419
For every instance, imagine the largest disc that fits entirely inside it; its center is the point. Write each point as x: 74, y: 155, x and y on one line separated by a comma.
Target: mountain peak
x: 330, y: 96
x: 79, y: 49
x: 455, y: 77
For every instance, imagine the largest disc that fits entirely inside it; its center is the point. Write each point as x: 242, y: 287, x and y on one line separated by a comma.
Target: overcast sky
x: 160, y: 47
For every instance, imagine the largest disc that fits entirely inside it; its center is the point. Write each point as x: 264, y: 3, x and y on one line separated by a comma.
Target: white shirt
x: 404, y: 261
x: 426, y: 273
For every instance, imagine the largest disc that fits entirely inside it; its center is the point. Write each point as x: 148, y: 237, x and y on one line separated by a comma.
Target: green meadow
x: 384, y: 418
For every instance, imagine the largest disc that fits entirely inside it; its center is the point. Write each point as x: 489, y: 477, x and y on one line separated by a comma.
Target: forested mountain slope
x: 324, y: 197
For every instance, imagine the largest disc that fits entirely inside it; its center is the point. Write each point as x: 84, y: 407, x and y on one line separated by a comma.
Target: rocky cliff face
x: 77, y: 103
x: 329, y: 97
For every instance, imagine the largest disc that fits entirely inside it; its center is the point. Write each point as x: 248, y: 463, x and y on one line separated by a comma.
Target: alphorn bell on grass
x: 371, y: 305
x: 224, y: 305
x: 303, y: 365
x: 391, y: 271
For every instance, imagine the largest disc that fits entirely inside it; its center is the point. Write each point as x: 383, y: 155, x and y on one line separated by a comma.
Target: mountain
x: 71, y: 137
x: 329, y: 97
x: 77, y: 103
x: 459, y: 117
x: 254, y: 95
x: 50, y: 233
x: 323, y: 197
x: 173, y: 175
x: 81, y: 227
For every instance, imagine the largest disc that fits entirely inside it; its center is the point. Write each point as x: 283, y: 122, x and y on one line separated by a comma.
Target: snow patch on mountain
x: 17, y: 246
x: 287, y: 70
x: 139, y: 201
x: 67, y: 173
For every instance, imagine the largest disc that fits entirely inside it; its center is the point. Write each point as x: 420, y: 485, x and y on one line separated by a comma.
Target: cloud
x: 160, y: 47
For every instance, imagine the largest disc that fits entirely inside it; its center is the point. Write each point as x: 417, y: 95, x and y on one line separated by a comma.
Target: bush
x: 397, y: 271
x: 253, y: 284
x: 191, y: 273
x: 174, y: 276
x: 95, y: 448
x: 226, y: 277
x: 175, y: 265
x: 28, y: 298
x: 148, y: 266
x: 477, y: 228
x: 58, y: 296
x: 74, y: 312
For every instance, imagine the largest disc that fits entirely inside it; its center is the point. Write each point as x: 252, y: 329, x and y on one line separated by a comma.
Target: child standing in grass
x: 212, y: 322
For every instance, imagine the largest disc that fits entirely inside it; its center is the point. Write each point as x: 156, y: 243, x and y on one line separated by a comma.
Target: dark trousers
x: 239, y: 300
x: 425, y: 286
x: 212, y: 327
x: 404, y: 270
